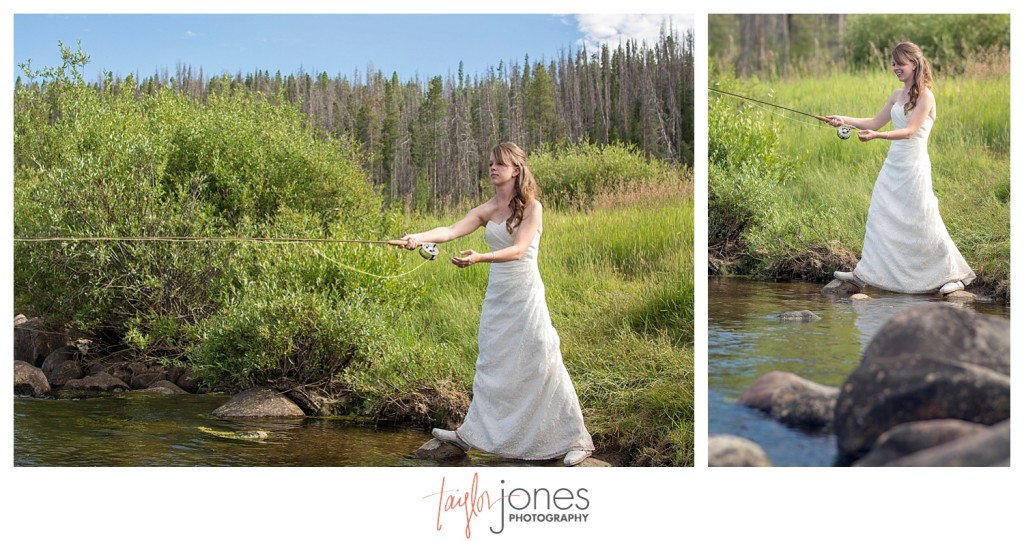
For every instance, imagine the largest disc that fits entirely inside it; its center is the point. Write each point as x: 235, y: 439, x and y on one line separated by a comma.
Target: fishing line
x: 428, y: 251
x: 842, y: 131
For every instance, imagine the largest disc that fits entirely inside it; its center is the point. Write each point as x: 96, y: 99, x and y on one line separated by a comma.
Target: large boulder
x: 259, y: 403
x: 67, y: 370
x: 932, y: 361
x: 947, y: 331
x: 58, y: 357
x: 733, y: 451
x: 909, y: 438
x: 792, y: 400
x: 29, y: 380
x: 34, y: 339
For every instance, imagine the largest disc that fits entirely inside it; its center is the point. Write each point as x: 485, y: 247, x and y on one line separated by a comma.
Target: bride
x: 906, y: 246
x: 524, y: 405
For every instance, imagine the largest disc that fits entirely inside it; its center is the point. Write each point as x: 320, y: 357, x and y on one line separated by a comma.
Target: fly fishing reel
x: 429, y: 251
x: 844, y: 131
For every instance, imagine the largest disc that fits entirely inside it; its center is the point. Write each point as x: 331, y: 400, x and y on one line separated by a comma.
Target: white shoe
x: 951, y: 287
x: 575, y: 457
x: 849, y: 277
x: 451, y: 437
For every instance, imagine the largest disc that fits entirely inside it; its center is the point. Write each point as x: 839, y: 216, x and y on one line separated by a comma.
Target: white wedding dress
x: 524, y: 404
x: 906, y: 246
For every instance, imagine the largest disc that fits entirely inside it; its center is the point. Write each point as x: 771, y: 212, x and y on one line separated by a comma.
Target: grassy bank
x: 808, y: 191
x: 619, y: 287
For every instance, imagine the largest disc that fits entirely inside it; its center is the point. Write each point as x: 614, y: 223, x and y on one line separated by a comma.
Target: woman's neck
x: 503, y: 194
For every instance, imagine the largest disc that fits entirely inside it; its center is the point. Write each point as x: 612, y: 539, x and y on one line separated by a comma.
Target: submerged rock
x: 733, y: 451
x: 860, y: 297
x: 799, y: 316
x: 258, y: 403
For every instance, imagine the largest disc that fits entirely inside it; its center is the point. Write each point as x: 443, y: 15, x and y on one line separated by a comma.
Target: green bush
x: 573, y: 175
x: 948, y: 40
x: 104, y: 163
x: 278, y: 337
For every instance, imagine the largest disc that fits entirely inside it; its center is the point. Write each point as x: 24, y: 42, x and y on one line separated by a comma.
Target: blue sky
x: 412, y: 44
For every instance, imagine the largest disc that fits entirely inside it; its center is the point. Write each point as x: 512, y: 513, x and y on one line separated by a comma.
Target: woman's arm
x: 528, y: 228
x: 475, y: 218
x: 874, y: 123
x: 922, y: 109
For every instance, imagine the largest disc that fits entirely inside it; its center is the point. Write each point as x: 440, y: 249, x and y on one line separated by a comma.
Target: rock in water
x: 436, y: 450
x: 799, y: 316
x: 257, y: 434
x: 259, y: 403
x: 733, y: 451
x: 932, y: 361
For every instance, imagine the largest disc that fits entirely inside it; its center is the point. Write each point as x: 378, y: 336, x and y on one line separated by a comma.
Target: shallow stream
x: 139, y: 429
x: 747, y: 340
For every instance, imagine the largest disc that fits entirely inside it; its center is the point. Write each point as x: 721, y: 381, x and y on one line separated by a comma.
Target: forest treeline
x: 424, y: 142
x: 771, y: 45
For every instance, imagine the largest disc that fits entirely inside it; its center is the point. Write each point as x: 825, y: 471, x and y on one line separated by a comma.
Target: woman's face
x: 502, y: 173
x: 904, y: 69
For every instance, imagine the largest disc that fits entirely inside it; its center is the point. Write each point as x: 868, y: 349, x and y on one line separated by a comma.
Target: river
x: 139, y: 429
x: 747, y: 340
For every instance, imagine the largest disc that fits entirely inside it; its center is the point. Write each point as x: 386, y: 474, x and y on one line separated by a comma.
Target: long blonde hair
x: 509, y: 154
x: 905, y: 51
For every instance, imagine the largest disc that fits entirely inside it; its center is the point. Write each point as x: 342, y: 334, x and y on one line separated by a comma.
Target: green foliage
x: 948, y: 40
x: 571, y: 175
x: 110, y: 164
x: 276, y: 336
x: 747, y: 168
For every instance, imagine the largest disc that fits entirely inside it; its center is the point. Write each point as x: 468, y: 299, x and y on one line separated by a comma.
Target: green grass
x: 825, y: 203
x: 619, y: 283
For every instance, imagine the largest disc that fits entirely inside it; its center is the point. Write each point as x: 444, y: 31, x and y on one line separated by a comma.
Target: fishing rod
x: 843, y: 130
x: 428, y: 251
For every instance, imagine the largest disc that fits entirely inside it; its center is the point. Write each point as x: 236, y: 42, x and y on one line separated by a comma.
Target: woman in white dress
x: 524, y: 405
x: 906, y: 246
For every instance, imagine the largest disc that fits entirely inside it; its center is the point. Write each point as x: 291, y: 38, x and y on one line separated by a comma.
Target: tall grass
x: 825, y: 203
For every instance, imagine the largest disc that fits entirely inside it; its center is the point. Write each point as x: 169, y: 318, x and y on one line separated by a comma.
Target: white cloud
x: 614, y: 29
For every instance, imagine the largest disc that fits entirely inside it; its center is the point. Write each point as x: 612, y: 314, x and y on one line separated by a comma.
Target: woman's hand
x: 867, y: 135
x: 468, y: 258
x: 407, y: 242
x: 835, y: 120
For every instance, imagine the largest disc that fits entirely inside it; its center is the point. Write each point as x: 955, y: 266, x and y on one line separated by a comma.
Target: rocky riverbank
x: 50, y: 363
x: 932, y: 389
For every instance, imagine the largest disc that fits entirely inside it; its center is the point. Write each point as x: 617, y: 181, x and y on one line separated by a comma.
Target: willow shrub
x: 99, y: 163
x: 574, y: 175
x: 746, y: 170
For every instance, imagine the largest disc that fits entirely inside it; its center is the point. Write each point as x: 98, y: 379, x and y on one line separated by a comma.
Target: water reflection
x: 746, y: 340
